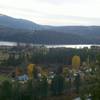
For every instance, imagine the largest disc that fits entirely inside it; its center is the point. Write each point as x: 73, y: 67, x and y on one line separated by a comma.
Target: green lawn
x: 3, y: 78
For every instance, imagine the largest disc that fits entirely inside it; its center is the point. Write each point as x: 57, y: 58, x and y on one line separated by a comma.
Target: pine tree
x: 6, y: 91
x: 57, y: 85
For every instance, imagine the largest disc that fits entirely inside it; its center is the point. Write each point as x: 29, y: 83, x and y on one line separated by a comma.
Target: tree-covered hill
x: 20, y: 30
x: 39, y: 36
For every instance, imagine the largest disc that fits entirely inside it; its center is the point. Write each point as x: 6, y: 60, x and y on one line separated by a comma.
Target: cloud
x: 70, y: 20
x: 55, y: 12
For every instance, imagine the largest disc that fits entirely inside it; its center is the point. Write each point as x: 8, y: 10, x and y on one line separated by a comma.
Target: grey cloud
x: 17, y: 8
x: 73, y: 17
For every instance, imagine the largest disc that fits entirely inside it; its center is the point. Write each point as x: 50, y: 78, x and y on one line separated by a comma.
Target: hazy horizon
x: 54, y: 12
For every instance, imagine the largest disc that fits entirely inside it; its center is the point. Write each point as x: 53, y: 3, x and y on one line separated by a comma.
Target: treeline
x: 63, y: 56
x: 39, y: 36
x: 47, y: 36
x: 52, y: 56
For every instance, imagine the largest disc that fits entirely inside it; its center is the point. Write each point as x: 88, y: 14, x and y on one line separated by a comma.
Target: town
x: 53, y: 71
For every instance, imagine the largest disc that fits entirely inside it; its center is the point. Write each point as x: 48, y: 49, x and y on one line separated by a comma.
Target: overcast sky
x: 54, y: 12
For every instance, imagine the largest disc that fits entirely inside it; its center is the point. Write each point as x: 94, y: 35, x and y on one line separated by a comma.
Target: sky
x: 54, y: 12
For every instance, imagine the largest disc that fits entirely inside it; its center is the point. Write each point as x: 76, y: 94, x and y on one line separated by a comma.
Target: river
x: 3, y: 43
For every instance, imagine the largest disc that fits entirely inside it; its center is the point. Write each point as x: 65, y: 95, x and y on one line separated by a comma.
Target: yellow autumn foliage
x: 30, y: 69
x: 76, y: 62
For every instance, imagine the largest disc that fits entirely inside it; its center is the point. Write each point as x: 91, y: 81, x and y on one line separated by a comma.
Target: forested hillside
x: 19, y: 30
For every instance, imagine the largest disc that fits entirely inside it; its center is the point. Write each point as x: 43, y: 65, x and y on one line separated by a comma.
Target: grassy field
x: 3, y: 78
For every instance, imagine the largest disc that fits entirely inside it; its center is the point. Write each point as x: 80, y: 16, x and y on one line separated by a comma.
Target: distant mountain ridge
x: 20, y: 30
x: 8, y: 21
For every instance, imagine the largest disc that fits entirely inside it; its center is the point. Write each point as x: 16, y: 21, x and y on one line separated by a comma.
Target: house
x: 22, y: 77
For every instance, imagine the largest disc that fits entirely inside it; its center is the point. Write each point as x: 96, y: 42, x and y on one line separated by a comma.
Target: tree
x: 76, y: 62
x: 16, y: 93
x: 57, y: 85
x: 18, y: 71
x: 65, y: 72
x: 44, y: 71
x: 29, y: 90
x: 6, y: 91
x: 91, y: 86
x: 43, y: 87
x: 77, y: 82
x: 31, y: 70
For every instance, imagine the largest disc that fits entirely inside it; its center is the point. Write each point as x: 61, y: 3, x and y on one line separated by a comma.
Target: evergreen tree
x: 6, y: 91
x: 77, y: 82
x: 44, y: 87
x: 16, y: 95
x: 57, y: 85
x: 29, y: 90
